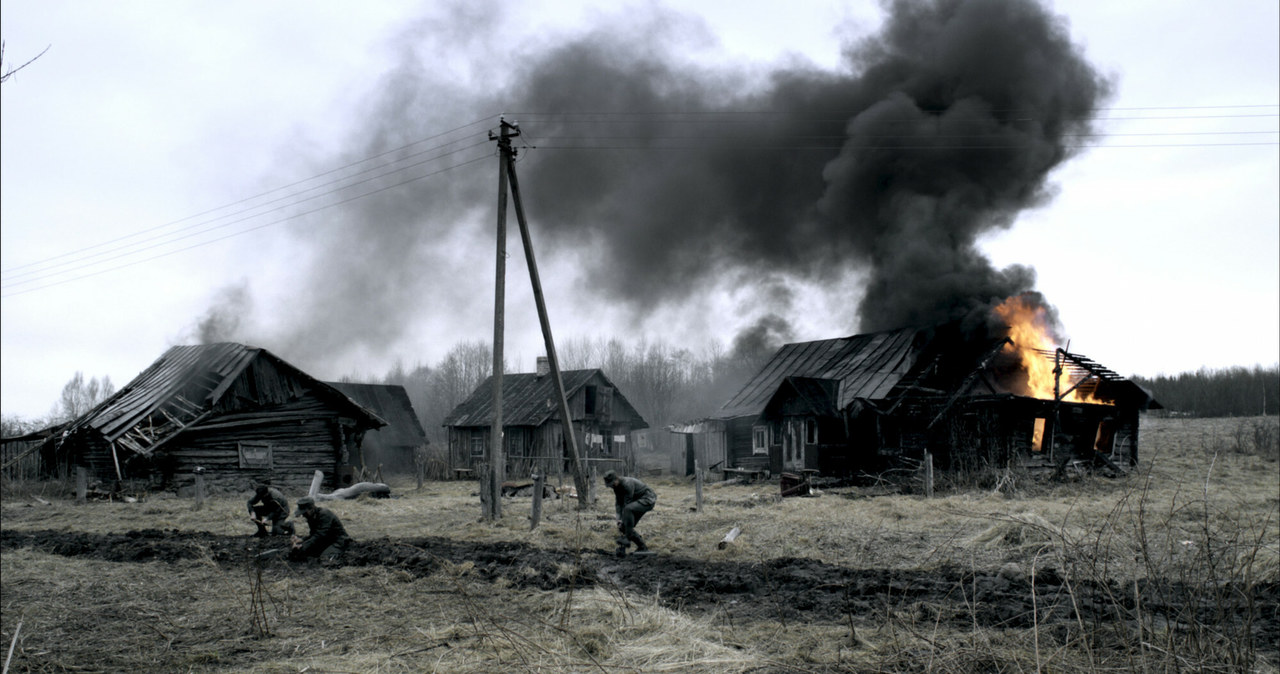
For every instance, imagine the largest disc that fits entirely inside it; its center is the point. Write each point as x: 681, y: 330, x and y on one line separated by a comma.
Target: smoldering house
x: 866, y: 403
x: 238, y: 413
x: 603, y: 421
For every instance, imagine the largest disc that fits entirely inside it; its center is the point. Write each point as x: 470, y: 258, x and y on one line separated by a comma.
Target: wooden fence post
x: 697, y: 486
x: 82, y: 484
x: 539, y: 485
x: 928, y: 475
x: 199, y: 490
x: 591, y: 484
x: 315, y: 483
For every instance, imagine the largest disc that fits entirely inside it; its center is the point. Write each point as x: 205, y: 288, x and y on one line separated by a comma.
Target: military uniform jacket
x: 326, y: 530
x: 274, y: 497
x: 628, y: 490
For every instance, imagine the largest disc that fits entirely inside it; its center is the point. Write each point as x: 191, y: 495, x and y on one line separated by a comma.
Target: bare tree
x: 79, y: 396
x: 9, y: 70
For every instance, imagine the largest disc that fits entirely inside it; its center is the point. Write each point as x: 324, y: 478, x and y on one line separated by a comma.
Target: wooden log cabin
x: 238, y: 413
x: 861, y: 404
x: 389, y: 449
x: 603, y: 419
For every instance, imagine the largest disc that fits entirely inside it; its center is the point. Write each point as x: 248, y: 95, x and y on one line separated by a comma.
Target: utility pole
x: 570, y: 437
x: 491, y: 481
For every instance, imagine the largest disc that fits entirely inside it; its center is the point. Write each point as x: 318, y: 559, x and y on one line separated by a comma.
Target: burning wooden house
x: 390, y: 448
x: 839, y: 407
x: 603, y: 421
x: 237, y: 413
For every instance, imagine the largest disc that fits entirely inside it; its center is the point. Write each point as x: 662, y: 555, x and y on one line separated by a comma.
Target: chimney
x: 544, y: 366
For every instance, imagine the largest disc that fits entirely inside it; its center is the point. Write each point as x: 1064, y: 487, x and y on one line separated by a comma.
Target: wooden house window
x: 477, y: 444
x: 590, y: 401
x: 255, y: 455
x: 759, y: 436
x: 810, y: 431
x: 775, y: 433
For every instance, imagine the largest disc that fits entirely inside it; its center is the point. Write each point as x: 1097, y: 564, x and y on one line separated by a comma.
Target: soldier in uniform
x: 269, y: 506
x: 326, y: 536
x: 633, y: 499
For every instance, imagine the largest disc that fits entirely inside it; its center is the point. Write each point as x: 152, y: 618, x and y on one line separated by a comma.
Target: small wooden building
x: 868, y: 402
x: 239, y: 413
x: 603, y: 421
x: 390, y: 448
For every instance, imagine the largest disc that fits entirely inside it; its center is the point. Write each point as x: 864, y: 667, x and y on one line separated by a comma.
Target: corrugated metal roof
x: 872, y: 366
x: 866, y: 366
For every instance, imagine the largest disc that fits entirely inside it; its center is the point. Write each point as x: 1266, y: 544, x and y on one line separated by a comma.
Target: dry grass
x: 1198, y: 511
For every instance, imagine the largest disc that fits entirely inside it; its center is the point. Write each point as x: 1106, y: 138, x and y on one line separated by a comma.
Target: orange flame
x: 1030, y: 332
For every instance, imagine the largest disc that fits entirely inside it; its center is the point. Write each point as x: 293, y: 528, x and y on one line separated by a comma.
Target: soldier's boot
x: 640, y: 546
x: 623, y: 543
x: 262, y: 531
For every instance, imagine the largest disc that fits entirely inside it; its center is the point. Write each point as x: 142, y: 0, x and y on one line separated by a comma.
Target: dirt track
x: 779, y: 589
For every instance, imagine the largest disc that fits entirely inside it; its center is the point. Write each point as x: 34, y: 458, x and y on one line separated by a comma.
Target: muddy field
x: 1171, y: 568
x: 775, y: 589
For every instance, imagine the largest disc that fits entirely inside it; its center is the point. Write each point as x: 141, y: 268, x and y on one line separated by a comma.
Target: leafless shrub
x: 1266, y: 438
x: 1172, y: 589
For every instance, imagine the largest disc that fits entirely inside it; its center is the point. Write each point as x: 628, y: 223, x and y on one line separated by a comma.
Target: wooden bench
x: 462, y: 473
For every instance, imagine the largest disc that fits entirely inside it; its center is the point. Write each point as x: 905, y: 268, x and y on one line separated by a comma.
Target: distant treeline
x: 1232, y: 392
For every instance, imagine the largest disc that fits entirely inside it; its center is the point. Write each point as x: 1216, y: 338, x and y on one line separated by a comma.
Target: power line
x: 233, y: 234
x: 253, y: 197
x: 39, y: 272
x: 174, y: 236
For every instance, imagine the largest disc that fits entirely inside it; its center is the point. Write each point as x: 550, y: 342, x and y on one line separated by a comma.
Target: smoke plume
x: 655, y: 178
x: 222, y: 320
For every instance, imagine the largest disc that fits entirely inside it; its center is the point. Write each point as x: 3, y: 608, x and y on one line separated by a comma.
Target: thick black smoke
x: 656, y: 178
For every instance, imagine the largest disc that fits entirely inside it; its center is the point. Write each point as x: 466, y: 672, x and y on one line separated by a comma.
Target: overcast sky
x: 1160, y: 246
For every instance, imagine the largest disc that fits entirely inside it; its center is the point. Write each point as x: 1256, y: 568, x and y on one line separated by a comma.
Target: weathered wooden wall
x: 299, y: 447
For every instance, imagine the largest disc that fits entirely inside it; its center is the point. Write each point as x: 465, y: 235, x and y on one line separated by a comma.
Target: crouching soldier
x: 269, y: 506
x: 633, y: 499
x: 327, y: 536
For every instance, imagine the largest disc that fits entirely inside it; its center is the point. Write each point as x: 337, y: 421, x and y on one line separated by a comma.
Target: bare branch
x: 9, y: 72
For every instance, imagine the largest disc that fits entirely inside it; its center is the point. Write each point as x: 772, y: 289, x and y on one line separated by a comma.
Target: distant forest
x: 1232, y: 392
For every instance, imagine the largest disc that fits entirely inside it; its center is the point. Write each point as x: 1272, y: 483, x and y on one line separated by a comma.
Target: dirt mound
x: 777, y: 589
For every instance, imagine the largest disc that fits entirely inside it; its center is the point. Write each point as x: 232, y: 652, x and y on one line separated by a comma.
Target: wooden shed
x: 390, y: 448
x: 868, y: 402
x: 603, y: 420
x: 239, y: 413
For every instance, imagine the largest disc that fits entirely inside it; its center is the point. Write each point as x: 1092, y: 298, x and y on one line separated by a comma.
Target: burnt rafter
x: 1077, y: 365
x: 1085, y: 374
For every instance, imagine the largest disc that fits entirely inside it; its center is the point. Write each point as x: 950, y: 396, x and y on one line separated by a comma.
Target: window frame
x: 259, y: 455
